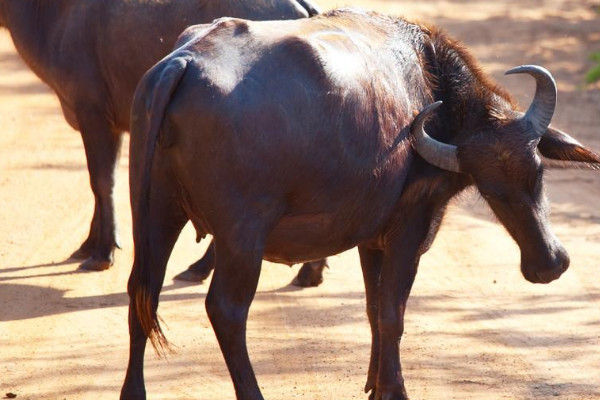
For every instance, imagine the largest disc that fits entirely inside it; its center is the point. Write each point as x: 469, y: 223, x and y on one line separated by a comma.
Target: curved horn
x: 541, y: 110
x: 440, y: 154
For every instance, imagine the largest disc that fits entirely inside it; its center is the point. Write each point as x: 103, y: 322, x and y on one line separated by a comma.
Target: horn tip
x: 527, y: 68
x: 515, y: 70
x: 425, y: 112
x: 432, y: 106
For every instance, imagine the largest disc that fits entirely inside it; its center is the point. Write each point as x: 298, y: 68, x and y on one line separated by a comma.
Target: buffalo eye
x: 494, y: 195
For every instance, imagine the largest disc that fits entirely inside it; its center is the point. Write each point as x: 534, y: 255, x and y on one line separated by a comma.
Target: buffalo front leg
x: 102, y: 147
x: 399, y: 268
x: 371, y: 261
x: 228, y: 301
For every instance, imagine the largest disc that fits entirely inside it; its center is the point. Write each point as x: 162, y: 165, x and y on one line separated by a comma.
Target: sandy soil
x: 475, y: 328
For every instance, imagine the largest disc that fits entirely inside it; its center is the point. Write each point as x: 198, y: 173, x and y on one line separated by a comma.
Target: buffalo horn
x: 440, y: 154
x: 541, y: 110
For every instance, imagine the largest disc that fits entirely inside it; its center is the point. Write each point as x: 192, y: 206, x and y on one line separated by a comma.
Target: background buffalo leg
x: 102, y: 148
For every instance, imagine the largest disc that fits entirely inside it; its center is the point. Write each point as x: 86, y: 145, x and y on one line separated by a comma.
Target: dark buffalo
x: 92, y: 53
x: 291, y: 141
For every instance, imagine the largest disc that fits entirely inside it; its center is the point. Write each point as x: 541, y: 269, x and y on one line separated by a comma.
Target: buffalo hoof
x: 394, y: 393
x: 310, y: 275
x: 93, y: 264
x: 190, y: 275
x: 132, y: 394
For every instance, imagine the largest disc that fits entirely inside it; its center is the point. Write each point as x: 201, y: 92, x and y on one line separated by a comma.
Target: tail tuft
x: 149, y: 321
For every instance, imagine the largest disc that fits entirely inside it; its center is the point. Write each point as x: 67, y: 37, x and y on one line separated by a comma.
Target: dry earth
x: 475, y: 328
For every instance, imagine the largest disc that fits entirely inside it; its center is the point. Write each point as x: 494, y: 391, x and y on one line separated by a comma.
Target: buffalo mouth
x: 536, y: 274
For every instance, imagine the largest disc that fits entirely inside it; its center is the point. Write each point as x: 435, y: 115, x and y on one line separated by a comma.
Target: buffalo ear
x: 558, y: 145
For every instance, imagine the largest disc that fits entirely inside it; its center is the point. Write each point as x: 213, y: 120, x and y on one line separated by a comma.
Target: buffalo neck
x: 472, y: 101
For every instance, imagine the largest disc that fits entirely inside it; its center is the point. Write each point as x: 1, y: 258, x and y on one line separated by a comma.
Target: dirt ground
x: 475, y: 328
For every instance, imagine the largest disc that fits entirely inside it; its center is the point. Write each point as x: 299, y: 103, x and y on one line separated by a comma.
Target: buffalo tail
x: 167, y: 76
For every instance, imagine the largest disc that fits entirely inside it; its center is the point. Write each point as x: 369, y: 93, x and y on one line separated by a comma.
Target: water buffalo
x: 291, y: 141
x: 92, y: 54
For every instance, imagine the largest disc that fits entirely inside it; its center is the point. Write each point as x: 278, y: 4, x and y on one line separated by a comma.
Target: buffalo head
x: 502, y: 161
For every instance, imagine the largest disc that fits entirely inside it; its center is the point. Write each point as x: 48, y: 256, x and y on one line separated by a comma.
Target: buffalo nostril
x: 565, y: 260
x: 547, y: 276
x: 546, y: 272
x: 561, y: 264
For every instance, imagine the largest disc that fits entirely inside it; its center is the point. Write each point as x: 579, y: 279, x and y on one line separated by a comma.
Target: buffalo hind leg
x: 201, y: 269
x: 165, y: 223
x: 228, y: 301
x: 102, y: 147
x: 309, y: 275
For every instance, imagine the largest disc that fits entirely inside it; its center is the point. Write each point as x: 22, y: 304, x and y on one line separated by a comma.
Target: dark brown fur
x: 292, y: 143
x: 92, y: 54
